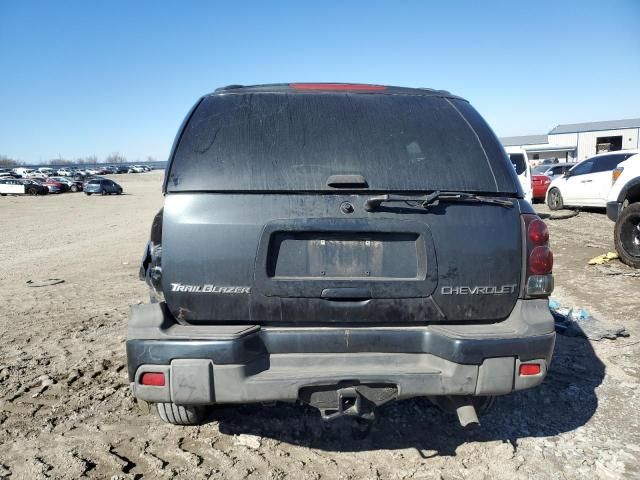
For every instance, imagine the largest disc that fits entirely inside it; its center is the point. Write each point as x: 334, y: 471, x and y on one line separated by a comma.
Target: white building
x: 577, y: 141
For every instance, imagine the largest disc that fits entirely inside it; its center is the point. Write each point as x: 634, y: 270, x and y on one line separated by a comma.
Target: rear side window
x: 583, y: 168
x: 285, y: 142
x: 519, y: 163
x: 94, y: 182
x: 602, y: 164
x: 609, y: 162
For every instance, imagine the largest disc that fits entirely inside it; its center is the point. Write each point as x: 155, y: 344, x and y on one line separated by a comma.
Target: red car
x: 539, y: 186
x: 53, y: 186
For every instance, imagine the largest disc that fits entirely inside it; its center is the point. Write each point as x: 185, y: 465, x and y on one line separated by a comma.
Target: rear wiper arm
x: 434, y: 199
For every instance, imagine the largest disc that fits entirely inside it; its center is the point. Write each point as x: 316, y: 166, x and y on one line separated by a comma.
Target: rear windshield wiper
x: 434, y: 199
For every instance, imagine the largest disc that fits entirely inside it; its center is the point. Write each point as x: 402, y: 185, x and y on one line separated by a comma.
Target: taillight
x: 615, y: 174
x: 538, y: 232
x: 527, y: 369
x: 538, y: 262
x: 152, y: 379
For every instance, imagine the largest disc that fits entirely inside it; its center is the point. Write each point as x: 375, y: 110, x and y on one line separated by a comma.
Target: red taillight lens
x: 153, y: 379
x: 540, y: 261
x: 530, y: 369
x: 538, y: 232
x: 537, y: 278
x: 337, y: 86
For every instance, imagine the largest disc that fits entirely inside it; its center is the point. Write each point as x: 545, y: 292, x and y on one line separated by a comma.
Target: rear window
x: 518, y: 161
x: 279, y: 141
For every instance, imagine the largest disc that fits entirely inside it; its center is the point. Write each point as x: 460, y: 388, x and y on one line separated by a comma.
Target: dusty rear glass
x: 295, y: 142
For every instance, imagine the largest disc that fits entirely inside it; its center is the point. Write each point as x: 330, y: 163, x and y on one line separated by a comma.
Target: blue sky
x: 91, y: 78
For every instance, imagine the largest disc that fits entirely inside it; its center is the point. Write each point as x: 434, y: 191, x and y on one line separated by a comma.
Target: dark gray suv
x: 343, y: 246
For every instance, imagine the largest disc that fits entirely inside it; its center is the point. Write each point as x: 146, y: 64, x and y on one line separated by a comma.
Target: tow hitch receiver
x: 348, y: 399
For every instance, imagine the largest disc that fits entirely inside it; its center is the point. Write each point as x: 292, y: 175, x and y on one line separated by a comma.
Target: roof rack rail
x: 229, y: 87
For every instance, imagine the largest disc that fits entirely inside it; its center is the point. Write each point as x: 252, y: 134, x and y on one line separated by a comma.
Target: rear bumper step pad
x: 282, y: 377
x: 238, y: 364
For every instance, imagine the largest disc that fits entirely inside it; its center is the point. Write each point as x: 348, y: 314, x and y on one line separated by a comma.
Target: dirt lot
x: 66, y: 411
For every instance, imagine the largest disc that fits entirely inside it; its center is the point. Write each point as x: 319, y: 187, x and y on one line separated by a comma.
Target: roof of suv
x: 332, y: 88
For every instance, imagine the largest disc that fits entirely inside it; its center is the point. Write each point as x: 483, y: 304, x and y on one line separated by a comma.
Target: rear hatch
x: 265, y: 218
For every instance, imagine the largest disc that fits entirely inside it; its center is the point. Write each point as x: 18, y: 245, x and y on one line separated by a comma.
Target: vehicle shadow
x: 564, y: 402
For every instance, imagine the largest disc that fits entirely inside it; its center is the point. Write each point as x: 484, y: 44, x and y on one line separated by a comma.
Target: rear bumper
x: 242, y: 364
x: 613, y: 210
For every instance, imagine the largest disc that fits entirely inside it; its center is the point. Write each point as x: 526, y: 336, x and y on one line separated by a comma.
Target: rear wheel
x: 181, y: 414
x: 74, y: 188
x: 626, y: 235
x: 103, y: 192
x: 32, y: 191
x: 119, y: 192
x: 554, y: 199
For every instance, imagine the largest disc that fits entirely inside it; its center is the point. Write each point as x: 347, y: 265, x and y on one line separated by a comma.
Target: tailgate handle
x: 346, y: 181
x: 347, y: 293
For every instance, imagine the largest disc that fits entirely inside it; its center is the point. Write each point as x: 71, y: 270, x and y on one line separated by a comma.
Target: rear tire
x: 554, y: 199
x: 119, y: 192
x: 74, y: 188
x: 32, y: 191
x: 87, y: 194
x: 626, y: 235
x: 103, y: 192
x: 181, y: 414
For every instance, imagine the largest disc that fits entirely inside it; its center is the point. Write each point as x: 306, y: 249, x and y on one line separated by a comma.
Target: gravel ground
x: 66, y: 411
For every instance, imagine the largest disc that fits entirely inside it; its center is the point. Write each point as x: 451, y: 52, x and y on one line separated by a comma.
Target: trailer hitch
x: 350, y: 403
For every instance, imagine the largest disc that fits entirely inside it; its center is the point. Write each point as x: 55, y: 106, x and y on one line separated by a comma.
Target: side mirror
x: 568, y: 174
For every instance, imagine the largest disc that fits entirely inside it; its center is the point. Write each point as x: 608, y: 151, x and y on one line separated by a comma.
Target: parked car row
x: 18, y: 186
x: 43, y: 186
x: 45, y: 172
x: 560, y: 185
x: 588, y: 183
x: 608, y: 180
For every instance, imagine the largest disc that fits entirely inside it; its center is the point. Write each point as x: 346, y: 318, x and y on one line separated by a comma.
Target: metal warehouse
x: 577, y: 141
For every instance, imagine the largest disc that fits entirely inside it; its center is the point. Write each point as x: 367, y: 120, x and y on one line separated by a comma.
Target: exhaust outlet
x: 467, y: 415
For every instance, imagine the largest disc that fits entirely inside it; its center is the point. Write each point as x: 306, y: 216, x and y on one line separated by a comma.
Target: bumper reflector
x: 153, y: 379
x: 530, y: 369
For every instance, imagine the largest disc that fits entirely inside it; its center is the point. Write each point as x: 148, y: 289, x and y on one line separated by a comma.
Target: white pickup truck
x: 623, y: 207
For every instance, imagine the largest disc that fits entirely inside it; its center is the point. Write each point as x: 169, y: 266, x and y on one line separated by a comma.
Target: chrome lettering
x: 479, y: 290
x: 208, y: 288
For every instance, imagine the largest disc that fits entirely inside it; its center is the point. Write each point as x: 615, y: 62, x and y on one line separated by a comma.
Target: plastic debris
x: 618, y: 269
x: 604, y: 258
x: 249, y: 441
x: 44, y: 283
x: 578, y: 322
